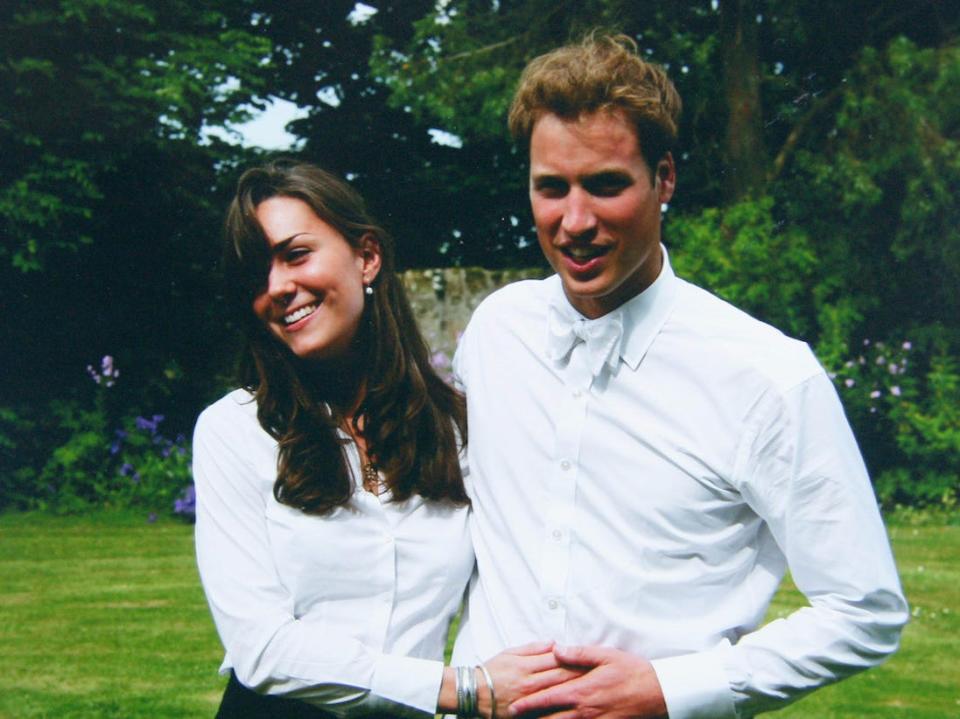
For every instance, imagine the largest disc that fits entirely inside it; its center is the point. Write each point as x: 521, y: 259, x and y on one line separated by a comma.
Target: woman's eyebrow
x: 283, y: 244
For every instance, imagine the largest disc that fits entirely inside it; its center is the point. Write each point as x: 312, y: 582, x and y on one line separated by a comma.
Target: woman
x: 331, y: 517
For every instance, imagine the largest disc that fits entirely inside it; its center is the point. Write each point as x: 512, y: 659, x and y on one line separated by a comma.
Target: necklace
x: 371, y: 477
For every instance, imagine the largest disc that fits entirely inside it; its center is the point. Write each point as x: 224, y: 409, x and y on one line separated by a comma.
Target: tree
x: 84, y: 83
x: 109, y: 206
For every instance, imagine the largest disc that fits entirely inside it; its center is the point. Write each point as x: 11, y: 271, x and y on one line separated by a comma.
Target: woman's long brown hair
x: 412, y: 421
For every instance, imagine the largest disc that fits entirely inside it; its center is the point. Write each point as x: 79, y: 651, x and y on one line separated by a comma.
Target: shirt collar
x: 643, y: 316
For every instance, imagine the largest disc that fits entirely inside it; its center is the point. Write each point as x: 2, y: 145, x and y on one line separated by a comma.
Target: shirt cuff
x: 408, y: 680
x: 695, y: 686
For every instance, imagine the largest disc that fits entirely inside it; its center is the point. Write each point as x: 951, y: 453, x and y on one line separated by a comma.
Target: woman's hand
x: 518, y: 672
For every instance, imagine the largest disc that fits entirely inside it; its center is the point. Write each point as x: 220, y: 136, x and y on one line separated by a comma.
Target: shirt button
x: 564, y: 464
x: 577, y: 394
x: 557, y: 535
x: 553, y: 604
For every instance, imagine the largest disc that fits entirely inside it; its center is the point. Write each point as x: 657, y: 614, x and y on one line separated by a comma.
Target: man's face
x: 597, y: 208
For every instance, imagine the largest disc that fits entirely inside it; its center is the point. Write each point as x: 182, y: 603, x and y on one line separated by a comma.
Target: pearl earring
x: 368, y: 289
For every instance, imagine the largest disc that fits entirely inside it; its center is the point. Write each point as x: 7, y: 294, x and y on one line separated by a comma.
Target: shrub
x: 89, y: 452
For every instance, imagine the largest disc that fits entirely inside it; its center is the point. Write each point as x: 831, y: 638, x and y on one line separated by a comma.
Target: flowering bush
x: 96, y: 455
x: 907, y: 414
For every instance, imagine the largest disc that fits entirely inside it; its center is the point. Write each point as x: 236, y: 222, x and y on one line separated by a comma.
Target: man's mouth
x: 582, y: 254
x: 300, y: 313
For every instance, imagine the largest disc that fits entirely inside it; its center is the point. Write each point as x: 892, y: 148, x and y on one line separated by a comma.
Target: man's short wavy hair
x: 602, y: 73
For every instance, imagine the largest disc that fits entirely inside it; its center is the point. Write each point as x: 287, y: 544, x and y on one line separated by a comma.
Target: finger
x: 549, y: 678
x: 589, y: 656
x: 539, y: 662
x: 565, y: 714
x: 531, y: 648
x: 555, y: 697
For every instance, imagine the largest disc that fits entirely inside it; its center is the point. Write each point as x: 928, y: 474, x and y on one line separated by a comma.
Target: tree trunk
x: 746, y: 155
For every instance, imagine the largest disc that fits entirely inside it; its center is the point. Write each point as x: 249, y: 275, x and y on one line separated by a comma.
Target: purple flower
x: 127, y: 469
x: 875, y: 394
x: 149, y: 425
x: 439, y: 360
x: 107, y: 374
x: 186, y: 505
x: 107, y: 369
x: 907, y: 345
x: 117, y: 443
x: 849, y: 382
x: 895, y: 391
x: 881, y: 360
x: 152, y: 517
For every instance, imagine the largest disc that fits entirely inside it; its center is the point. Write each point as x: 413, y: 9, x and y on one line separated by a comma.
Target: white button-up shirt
x: 655, y: 506
x: 348, y: 611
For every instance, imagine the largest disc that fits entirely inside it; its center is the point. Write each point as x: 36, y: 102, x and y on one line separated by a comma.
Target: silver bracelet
x: 493, y: 697
x: 466, y: 692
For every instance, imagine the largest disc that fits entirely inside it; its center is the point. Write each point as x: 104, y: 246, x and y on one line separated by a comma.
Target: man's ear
x: 371, y: 254
x: 665, y: 178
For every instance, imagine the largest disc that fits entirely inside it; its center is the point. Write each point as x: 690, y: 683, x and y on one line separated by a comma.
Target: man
x: 646, y: 460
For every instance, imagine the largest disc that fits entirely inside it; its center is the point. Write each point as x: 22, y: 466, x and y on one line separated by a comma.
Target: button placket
x: 560, y: 505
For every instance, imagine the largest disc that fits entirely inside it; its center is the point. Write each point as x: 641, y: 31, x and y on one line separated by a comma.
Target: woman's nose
x: 280, y: 286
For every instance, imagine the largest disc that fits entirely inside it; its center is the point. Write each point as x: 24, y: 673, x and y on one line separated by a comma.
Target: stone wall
x: 444, y: 299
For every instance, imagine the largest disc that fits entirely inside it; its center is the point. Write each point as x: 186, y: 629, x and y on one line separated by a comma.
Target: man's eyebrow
x: 541, y: 177
x: 607, y: 176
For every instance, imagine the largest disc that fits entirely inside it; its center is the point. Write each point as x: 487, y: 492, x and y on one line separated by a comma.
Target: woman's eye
x: 297, y: 253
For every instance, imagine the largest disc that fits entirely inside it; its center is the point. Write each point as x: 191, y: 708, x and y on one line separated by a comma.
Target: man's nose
x: 578, y: 216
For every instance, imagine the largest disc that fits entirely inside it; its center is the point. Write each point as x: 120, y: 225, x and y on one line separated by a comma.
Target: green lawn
x: 103, y: 616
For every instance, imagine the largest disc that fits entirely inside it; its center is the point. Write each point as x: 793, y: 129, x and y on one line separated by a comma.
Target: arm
x: 271, y: 649
x: 800, y: 470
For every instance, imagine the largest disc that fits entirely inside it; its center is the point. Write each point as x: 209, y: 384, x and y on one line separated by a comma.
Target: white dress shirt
x: 651, y: 500
x: 348, y: 611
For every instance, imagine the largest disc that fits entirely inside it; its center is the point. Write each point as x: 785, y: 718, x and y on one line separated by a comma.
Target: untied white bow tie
x: 602, y: 337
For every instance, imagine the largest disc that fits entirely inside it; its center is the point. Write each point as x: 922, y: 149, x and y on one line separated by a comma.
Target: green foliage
x: 748, y: 256
x: 91, y: 453
x: 927, y: 423
x: 76, y: 474
x: 16, y: 431
x: 85, y: 82
x: 904, y: 398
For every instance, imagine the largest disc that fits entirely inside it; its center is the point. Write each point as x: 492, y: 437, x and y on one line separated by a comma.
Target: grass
x: 103, y: 616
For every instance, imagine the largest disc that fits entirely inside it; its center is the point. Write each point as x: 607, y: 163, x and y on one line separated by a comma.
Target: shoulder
x: 236, y: 405
x: 231, y: 419
x: 230, y: 448
x: 731, y: 337
x: 521, y: 301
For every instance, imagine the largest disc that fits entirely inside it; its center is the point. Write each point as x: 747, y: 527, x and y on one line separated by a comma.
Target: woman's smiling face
x: 314, y: 294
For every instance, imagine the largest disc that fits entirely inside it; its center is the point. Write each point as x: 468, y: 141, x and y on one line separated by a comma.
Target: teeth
x: 299, y: 314
x: 580, y: 252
